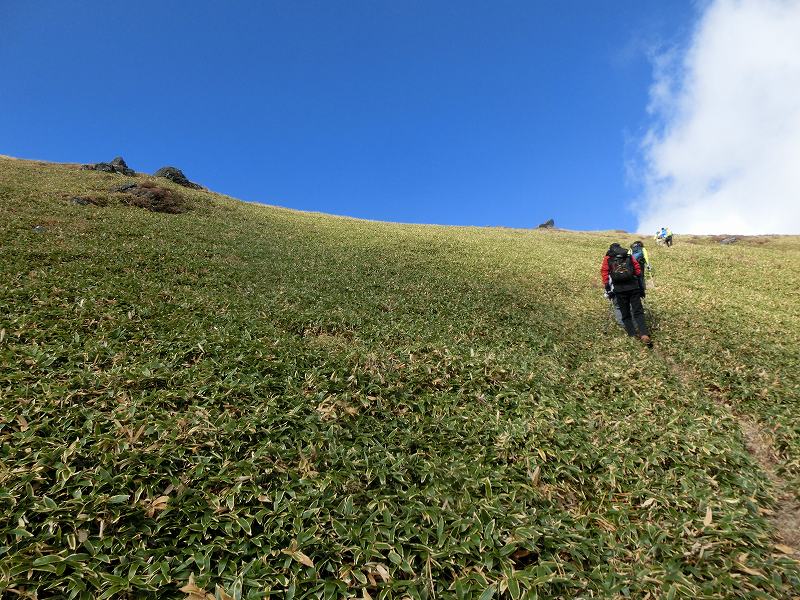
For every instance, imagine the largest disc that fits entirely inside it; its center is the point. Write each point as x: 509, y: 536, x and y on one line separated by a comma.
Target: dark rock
x: 87, y: 200
x: 729, y: 240
x: 549, y: 224
x: 176, y: 175
x: 124, y: 187
x: 117, y: 165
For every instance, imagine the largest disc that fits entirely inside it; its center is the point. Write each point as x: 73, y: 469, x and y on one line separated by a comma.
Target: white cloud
x: 723, y: 152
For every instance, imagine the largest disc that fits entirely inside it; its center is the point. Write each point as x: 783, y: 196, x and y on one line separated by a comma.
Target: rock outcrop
x: 118, y: 165
x: 174, y: 174
x: 549, y: 224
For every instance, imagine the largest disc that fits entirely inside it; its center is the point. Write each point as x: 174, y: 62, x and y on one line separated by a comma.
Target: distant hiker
x: 639, y: 252
x: 664, y: 236
x: 623, y: 281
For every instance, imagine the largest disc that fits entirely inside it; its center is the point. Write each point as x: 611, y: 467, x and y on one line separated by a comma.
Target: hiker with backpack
x: 639, y: 252
x: 664, y: 236
x: 624, y: 284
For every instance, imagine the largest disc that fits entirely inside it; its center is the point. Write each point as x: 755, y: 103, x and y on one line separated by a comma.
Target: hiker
x: 623, y: 282
x: 639, y: 252
x: 664, y: 236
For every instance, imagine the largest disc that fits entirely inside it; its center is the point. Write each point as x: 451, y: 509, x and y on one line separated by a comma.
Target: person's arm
x: 604, y: 271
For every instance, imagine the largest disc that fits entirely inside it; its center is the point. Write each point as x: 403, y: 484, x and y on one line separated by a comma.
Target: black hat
x: 616, y: 250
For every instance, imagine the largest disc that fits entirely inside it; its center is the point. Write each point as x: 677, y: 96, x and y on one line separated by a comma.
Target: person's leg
x: 638, y: 314
x: 617, y: 313
x: 624, y: 304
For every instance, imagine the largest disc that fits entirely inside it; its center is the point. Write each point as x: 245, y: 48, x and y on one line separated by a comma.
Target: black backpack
x: 620, y: 268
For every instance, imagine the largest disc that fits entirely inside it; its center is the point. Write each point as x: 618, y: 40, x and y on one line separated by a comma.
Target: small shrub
x: 155, y: 199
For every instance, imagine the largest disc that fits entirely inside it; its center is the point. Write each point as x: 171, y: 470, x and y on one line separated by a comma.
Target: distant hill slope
x: 268, y: 400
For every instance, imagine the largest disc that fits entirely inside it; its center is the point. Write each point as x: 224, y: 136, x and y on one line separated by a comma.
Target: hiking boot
x: 646, y: 340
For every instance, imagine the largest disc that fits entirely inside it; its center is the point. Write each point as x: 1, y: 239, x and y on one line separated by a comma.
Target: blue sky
x: 479, y: 113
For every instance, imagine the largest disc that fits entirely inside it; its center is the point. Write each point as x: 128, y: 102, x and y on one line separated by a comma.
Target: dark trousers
x: 630, y: 305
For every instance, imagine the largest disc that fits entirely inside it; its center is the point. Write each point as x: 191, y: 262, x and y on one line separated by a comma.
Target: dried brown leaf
x: 223, y: 595
x: 194, y: 592
x: 297, y: 555
x: 156, y: 505
x: 383, y: 572
x: 749, y: 571
x: 535, y: 475
x: 303, y: 558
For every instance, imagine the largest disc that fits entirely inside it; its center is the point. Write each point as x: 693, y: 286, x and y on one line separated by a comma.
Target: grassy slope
x: 432, y: 410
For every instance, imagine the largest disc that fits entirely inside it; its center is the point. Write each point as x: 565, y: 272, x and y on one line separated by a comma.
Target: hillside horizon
x: 645, y: 235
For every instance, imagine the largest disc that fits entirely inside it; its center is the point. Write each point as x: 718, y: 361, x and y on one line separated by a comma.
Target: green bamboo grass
x: 285, y: 404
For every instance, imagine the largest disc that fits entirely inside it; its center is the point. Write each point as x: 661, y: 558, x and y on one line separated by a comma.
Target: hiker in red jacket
x: 624, y: 282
